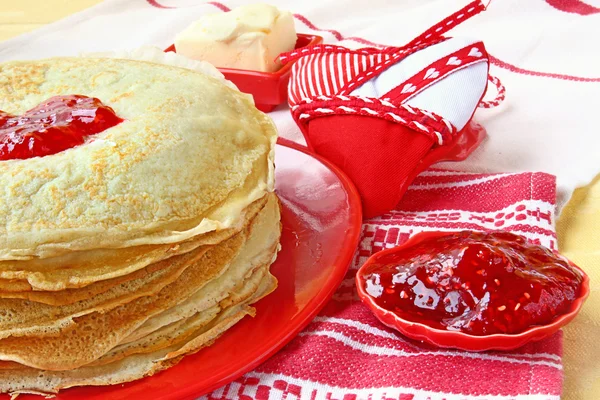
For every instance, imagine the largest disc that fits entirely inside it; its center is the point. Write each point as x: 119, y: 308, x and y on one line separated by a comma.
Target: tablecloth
x: 540, y: 49
x: 346, y: 353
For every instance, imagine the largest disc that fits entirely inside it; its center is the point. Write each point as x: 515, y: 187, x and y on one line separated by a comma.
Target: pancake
x: 123, y: 254
x: 208, y: 150
x: 158, y: 56
x: 107, y: 267
x: 262, y: 231
x: 24, y: 317
x: 31, y: 380
x: 259, y: 285
x: 164, y: 337
x: 181, y: 330
x: 267, y: 285
x: 92, y: 335
x: 14, y: 285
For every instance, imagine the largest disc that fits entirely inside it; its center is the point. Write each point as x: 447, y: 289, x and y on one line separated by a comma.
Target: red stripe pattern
x: 308, y: 79
x: 500, y: 94
x: 345, y: 353
x: 325, y: 72
x: 574, y: 6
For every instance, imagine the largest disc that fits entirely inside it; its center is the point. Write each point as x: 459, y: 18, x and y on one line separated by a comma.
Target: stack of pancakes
x: 144, y: 244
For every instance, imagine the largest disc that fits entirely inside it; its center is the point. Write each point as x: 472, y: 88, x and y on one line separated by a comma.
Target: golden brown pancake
x: 181, y: 330
x: 216, y: 291
x: 90, y: 270
x: 261, y: 284
x: 24, y: 317
x: 93, y: 334
x: 28, y: 380
x: 144, y: 244
x: 190, y: 155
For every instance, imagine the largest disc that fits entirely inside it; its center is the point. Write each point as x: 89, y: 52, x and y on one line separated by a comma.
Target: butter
x: 248, y: 37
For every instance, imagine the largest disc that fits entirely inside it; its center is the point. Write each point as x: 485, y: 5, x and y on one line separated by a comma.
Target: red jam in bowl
x: 477, y: 283
x: 59, y: 123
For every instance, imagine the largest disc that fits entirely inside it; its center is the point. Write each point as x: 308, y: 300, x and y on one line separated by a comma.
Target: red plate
x: 456, y: 339
x: 321, y: 218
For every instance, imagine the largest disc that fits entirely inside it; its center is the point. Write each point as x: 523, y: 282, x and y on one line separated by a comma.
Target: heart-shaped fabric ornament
x: 376, y: 113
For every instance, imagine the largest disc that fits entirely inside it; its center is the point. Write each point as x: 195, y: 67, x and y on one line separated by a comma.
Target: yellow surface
x: 578, y: 228
x: 20, y: 16
x: 579, y: 239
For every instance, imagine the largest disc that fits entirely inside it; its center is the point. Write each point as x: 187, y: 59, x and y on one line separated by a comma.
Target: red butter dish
x: 269, y: 89
x: 471, y: 290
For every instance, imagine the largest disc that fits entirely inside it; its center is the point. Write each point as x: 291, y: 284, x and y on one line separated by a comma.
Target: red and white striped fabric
x: 328, y: 70
x: 389, y: 105
x: 432, y: 75
x: 347, y: 354
x: 345, y: 65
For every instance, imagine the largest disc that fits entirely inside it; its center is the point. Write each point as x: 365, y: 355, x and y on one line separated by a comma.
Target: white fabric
x: 546, y: 124
x: 455, y: 97
x: 467, y: 84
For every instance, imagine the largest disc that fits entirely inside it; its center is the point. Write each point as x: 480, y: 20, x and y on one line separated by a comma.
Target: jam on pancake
x: 59, y: 123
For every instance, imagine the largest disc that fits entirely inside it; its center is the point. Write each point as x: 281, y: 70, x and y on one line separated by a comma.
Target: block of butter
x: 248, y: 37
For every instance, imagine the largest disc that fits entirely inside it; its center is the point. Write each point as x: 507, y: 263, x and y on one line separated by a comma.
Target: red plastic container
x: 457, y: 339
x: 269, y: 89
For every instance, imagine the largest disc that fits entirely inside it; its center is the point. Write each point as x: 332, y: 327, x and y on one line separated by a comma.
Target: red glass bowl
x: 461, y: 340
x: 269, y: 89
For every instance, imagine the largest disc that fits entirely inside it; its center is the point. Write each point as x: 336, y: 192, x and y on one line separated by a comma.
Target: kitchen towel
x: 345, y: 353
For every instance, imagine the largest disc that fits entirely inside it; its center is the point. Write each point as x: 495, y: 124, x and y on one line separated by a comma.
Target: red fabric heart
x: 357, y: 109
x: 377, y: 155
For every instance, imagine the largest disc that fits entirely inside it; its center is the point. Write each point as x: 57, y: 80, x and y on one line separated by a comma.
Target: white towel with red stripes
x: 345, y: 353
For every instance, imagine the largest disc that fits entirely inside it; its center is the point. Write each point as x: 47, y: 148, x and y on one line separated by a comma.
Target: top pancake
x: 190, y: 155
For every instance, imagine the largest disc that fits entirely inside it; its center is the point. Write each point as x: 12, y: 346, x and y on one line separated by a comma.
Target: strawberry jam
x: 477, y: 283
x: 61, y: 122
